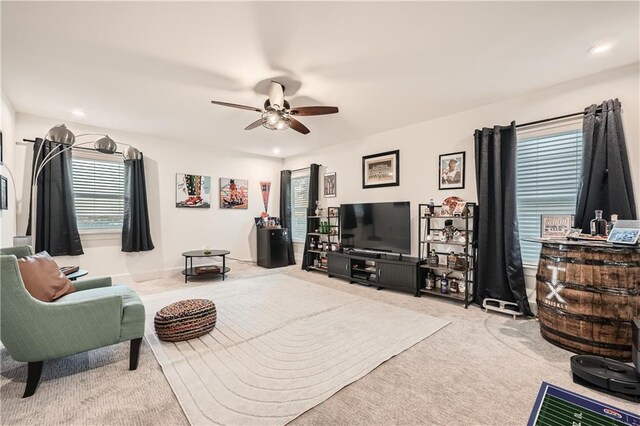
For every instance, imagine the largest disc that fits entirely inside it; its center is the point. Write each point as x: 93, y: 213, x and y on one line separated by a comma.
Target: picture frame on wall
x: 330, y: 185
x: 555, y: 226
x: 451, y: 170
x: 234, y: 193
x: 381, y: 170
x: 4, y: 194
x: 1, y: 149
x: 193, y: 191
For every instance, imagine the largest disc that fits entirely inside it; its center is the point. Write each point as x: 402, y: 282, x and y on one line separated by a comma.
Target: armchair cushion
x: 132, y: 317
x: 42, y: 277
x: 89, y: 283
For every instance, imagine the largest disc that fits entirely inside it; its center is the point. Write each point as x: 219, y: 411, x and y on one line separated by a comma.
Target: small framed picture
x: 624, y: 236
x: 380, y: 170
x: 555, y: 226
x: 330, y: 185
x: 451, y: 171
x: 332, y: 212
x: 4, y: 196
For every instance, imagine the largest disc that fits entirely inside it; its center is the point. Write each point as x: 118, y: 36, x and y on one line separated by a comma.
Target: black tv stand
x: 382, y: 270
x: 364, y: 253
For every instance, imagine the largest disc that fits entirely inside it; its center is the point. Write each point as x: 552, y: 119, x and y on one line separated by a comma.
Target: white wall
x: 173, y: 230
x: 7, y: 125
x: 422, y: 143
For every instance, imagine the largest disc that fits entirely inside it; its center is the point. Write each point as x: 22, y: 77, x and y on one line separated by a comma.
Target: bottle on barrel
x: 598, y: 225
x: 612, y: 223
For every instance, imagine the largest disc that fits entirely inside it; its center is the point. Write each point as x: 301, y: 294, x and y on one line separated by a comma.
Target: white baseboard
x: 146, y: 276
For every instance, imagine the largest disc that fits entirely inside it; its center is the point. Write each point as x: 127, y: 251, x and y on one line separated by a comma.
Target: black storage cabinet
x: 272, y: 247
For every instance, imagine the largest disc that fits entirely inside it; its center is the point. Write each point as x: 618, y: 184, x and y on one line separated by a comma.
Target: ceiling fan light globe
x: 272, y: 118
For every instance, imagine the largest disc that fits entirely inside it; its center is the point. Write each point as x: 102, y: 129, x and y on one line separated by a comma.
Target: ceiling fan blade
x: 298, y: 126
x: 314, y: 110
x: 227, y: 104
x: 255, y: 124
x: 276, y: 95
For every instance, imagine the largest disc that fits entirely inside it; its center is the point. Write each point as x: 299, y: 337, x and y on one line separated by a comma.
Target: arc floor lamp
x: 65, y: 138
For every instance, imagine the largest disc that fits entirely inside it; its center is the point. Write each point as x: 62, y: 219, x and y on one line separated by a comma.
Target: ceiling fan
x: 278, y: 114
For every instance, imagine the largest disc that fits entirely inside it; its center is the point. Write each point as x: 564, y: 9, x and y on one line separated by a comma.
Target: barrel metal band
x: 591, y: 262
x: 615, y: 291
x: 577, y: 339
x: 591, y: 248
x: 582, y: 317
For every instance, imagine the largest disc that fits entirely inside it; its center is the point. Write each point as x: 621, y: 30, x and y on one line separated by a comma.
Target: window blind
x: 547, y: 179
x: 98, y: 188
x: 299, y: 204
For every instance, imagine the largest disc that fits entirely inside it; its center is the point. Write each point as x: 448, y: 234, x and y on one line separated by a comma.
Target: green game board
x: 559, y: 407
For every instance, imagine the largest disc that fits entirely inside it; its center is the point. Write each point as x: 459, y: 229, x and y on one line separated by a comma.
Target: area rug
x: 280, y: 347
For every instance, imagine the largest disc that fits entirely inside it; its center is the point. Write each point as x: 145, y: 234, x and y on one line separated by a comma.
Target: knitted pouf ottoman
x: 184, y: 320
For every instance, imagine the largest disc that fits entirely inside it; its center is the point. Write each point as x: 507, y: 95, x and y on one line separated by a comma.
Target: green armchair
x: 97, y: 314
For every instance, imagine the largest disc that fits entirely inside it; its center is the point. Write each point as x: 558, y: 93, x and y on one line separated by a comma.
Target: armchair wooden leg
x: 135, y: 351
x: 34, y: 371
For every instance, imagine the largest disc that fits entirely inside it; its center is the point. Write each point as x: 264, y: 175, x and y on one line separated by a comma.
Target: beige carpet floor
x: 482, y: 369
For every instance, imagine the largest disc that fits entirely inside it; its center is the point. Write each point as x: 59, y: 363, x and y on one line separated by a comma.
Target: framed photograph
x: 330, y: 185
x: 624, y: 236
x: 193, y: 191
x: 451, y: 171
x: 4, y: 197
x: 234, y: 193
x: 379, y: 170
x: 332, y: 211
x: 555, y: 226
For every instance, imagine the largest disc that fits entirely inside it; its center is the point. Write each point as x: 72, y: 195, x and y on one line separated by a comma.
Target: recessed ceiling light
x: 276, y: 150
x: 599, y: 48
x: 78, y: 113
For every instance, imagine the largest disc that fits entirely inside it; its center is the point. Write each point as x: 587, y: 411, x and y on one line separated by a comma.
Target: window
x: 547, y: 180
x: 98, y: 188
x: 299, y: 204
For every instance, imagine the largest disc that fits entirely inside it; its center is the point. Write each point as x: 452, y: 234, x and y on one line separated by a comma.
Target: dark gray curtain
x: 314, y: 170
x: 606, y: 178
x: 499, y: 265
x: 56, y: 226
x: 136, y: 234
x: 285, y: 210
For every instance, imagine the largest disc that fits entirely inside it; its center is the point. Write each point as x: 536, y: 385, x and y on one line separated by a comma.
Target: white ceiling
x: 152, y: 68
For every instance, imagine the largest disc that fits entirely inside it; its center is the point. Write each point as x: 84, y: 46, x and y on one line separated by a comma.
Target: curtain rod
x: 304, y: 168
x: 78, y: 147
x: 560, y: 117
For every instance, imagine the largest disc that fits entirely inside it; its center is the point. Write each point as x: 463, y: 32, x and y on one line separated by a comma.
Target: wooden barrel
x: 587, y: 297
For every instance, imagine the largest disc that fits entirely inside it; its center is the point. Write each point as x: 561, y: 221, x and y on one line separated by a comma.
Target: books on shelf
x: 68, y: 270
x: 211, y: 269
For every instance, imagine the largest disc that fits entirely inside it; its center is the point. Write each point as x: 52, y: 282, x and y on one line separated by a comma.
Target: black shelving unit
x: 427, y: 224
x: 331, y: 237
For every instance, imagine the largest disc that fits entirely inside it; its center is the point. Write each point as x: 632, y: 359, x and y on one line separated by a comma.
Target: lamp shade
x: 60, y: 134
x: 105, y: 145
x: 131, y: 153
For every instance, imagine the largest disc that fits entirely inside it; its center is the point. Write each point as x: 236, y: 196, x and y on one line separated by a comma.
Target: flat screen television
x: 377, y: 226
